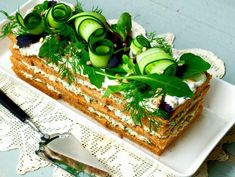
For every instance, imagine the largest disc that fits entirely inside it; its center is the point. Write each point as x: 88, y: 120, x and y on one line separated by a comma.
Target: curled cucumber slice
x: 155, y: 60
x: 164, y: 66
x: 89, y: 24
x: 100, y: 51
x: 33, y: 22
x: 94, y: 15
x: 138, y: 44
x: 89, y: 27
x: 57, y: 16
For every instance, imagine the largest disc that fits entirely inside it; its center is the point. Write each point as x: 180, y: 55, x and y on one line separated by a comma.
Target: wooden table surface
x: 206, y: 24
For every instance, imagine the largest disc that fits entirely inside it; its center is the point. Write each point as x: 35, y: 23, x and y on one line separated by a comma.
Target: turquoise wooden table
x: 206, y: 24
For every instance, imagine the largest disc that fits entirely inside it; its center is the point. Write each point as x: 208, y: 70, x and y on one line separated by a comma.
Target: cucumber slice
x: 151, y: 55
x: 78, y: 21
x: 57, y: 16
x: 33, y: 22
x: 94, y: 15
x: 100, y: 51
x: 165, y: 66
x: 88, y: 27
x: 138, y: 44
x: 89, y: 24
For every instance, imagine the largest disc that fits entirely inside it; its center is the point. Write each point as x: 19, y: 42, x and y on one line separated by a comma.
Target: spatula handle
x: 13, y: 107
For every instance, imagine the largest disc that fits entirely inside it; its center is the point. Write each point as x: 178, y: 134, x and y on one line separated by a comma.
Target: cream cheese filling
x: 119, y: 114
x: 115, y: 123
x: 76, y: 90
x: 29, y: 76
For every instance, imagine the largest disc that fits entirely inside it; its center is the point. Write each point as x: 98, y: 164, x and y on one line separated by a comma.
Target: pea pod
x: 33, y: 22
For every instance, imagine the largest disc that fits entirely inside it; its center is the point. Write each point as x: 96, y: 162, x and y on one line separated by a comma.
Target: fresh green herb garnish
x: 134, y: 93
x: 50, y: 49
x: 123, y: 26
x: 159, y: 42
x: 170, y: 85
x: 71, y: 57
x: 78, y: 7
x: 97, y: 10
x: 10, y: 25
x: 192, y: 66
x: 40, y: 8
x: 127, y: 67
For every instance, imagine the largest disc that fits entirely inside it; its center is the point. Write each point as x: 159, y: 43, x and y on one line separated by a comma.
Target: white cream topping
x: 32, y: 50
x: 193, y: 83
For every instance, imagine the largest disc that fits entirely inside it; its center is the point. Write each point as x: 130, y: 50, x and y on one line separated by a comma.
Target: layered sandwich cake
x: 130, y: 84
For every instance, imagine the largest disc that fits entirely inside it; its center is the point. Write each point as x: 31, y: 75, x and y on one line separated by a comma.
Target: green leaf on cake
x: 49, y: 49
x: 171, y: 85
x: 193, y: 65
x: 95, y: 79
x: 114, y: 89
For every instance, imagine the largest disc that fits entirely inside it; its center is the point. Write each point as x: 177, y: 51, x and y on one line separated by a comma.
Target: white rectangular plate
x: 185, y: 156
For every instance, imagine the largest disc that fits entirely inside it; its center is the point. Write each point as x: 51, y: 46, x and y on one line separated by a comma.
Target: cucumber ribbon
x: 100, y: 51
x: 138, y: 44
x: 33, y: 22
x: 89, y: 24
x: 92, y: 27
x: 57, y: 16
x: 155, y: 60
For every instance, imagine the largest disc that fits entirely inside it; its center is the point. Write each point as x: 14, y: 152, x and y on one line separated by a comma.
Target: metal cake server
x: 62, y: 150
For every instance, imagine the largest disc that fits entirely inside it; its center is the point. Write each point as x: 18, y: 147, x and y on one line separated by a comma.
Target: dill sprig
x: 159, y: 42
x: 136, y: 92
x: 11, y: 24
x: 97, y: 9
x: 78, y: 7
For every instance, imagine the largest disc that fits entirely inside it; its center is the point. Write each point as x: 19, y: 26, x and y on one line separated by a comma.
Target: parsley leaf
x: 95, y: 79
x: 50, y: 49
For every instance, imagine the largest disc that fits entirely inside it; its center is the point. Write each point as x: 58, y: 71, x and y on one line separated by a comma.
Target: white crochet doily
x: 50, y: 119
